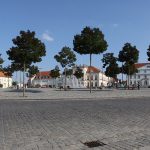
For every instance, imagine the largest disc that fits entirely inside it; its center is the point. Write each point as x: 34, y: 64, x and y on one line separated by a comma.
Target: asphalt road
x: 121, y: 124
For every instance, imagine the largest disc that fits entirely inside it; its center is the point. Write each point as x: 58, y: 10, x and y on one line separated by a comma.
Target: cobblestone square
x: 122, y: 124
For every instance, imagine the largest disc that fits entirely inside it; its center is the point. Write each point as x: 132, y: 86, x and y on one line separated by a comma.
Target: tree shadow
x: 26, y: 90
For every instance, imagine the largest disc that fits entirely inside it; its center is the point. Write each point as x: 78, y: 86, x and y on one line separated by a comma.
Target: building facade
x: 41, y: 79
x: 98, y: 79
x: 5, y: 81
x: 142, y: 76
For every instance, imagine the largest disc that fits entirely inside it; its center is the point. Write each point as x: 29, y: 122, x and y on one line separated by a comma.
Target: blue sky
x: 57, y: 21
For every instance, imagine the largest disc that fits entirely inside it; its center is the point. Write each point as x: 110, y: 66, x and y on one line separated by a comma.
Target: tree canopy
x: 54, y: 73
x: 78, y: 73
x: 129, y: 55
x: 33, y: 70
x: 1, y: 62
x: 110, y: 62
x: 148, y: 53
x: 27, y: 49
x: 66, y: 57
x: 90, y: 41
x: 69, y: 72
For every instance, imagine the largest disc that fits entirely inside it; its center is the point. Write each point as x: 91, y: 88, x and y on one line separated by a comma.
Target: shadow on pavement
x: 26, y: 90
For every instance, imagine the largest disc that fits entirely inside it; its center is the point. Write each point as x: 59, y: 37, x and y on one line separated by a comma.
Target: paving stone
x: 122, y: 124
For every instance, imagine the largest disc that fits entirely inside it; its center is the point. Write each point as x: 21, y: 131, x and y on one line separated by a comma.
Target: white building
x: 41, y: 79
x: 5, y: 81
x: 142, y: 76
x: 98, y: 79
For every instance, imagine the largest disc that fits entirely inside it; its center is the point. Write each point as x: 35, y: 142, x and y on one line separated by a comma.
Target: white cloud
x: 115, y: 25
x: 47, y: 37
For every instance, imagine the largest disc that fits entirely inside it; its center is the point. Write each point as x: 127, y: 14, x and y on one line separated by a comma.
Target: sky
x: 57, y: 21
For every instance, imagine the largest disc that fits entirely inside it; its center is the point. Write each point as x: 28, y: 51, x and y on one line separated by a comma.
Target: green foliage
x: 27, y: 49
x: 129, y: 69
x: 1, y: 62
x: 78, y: 73
x: 66, y: 57
x: 33, y: 70
x: 90, y: 41
x: 148, y: 53
x: 69, y: 72
x: 18, y: 66
x: 110, y: 62
x: 55, y: 73
x: 129, y: 55
x: 8, y: 71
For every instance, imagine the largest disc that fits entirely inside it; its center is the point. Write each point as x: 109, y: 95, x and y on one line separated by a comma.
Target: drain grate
x: 94, y: 144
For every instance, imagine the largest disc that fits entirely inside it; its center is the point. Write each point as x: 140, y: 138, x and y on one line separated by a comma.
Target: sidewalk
x: 51, y: 94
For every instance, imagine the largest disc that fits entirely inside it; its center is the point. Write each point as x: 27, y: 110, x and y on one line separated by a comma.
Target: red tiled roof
x: 139, y: 65
x: 93, y: 69
x: 2, y: 74
x: 43, y: 73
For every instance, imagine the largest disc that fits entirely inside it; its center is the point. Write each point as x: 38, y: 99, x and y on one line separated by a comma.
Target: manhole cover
x: 94, y: 144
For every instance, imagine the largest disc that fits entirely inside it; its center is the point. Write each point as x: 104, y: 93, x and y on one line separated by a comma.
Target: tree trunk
x: 65, y: 88
x: 102, y: 77
x: 90, y: 72
x: 55, y: 82
x: 129, y: 78
x: 20, y: 80
x: 122, y: 72
x: 24, y: 79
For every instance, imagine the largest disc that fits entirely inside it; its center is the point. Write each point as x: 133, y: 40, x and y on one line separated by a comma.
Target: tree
x: 78, y: 73
x: 69, y: 72
x: 148, y: 53
x: 1, y: 62
x: 54, y: 73
x: 66, y: 58
x: 129, y: 55
x: 33, y: 70
x: 110, y: 62
x: 90, y: 41
x: 27, y: 49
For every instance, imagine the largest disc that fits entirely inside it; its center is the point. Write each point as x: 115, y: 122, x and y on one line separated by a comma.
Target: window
x: 95, y: 84
x: 130, y: 77
x: 145, y: 76
x: 144, y: 71
x: 95, y: 77
x: 87, y: 77
x: 138, y: 76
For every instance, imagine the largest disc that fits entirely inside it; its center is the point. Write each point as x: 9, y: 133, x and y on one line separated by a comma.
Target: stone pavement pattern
x: 122, y: 124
